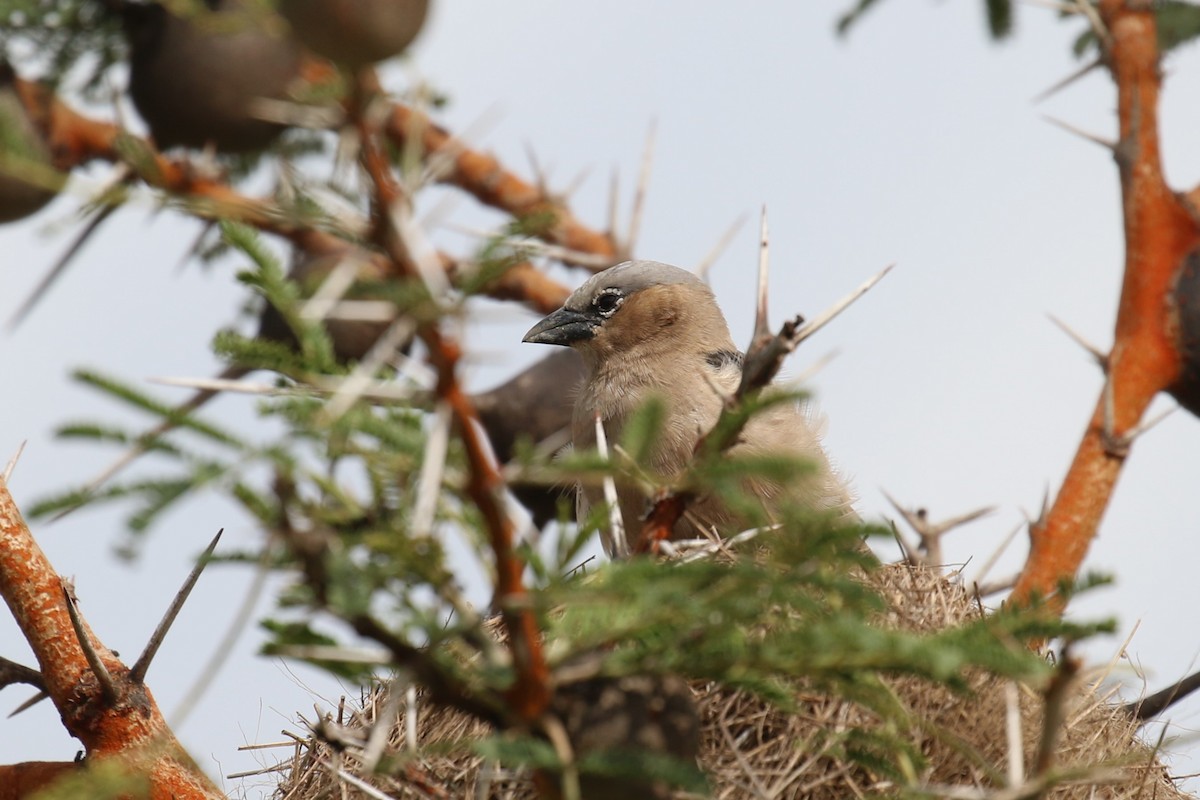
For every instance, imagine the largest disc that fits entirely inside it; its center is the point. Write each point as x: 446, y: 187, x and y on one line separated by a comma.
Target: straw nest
x: 752, y: 750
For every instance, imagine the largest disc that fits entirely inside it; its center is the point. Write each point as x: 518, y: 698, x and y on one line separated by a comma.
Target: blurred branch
x: 76, y: 139
x: 530, y: 693
x: 489, y: 182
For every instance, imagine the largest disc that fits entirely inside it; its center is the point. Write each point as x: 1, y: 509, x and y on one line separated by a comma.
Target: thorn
x: 107, y: 687
x: 194, y: 248
x: 28, y: 704
x: 429, y: 480
x: 616, y: 544
x: 12, y: 462
x: 1108, y: 144
x: 1119, y: 446
x: 386, y: 347
x: 575, y: 183
x: 1046, y: 94
x: 1143, y: 427
x: 906, y: 552
x: 1099, y: 356
x: 639, y: 196
x: 810, y: 371
x: 60, y: 266
x: 614, y: 202
x: 138, y: 673
x: 706, y: 264
x: 995, y: 555
x: 540, y: 177
x: 837, y: 308
x: 762, y: 328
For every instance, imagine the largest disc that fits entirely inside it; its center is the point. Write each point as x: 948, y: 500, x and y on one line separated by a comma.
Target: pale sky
x: 915, y: 141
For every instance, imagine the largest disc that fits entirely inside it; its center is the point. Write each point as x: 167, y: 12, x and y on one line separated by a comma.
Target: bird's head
x: 635, y: 307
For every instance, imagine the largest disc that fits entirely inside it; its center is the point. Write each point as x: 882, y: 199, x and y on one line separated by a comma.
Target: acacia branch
x: 530, y: 693
x: 75, y: 140
x: 128, y: 727
x: 1160, y: 232
x: 489, y: 182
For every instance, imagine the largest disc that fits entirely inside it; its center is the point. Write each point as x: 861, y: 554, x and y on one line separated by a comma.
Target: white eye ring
x: 607, y: 302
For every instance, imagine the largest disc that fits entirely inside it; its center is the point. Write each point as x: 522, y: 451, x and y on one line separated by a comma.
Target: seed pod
x: 355, y: 33
x: 194, y: 80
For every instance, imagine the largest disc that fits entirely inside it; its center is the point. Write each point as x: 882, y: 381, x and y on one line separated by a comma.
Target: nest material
x: 751, y: 749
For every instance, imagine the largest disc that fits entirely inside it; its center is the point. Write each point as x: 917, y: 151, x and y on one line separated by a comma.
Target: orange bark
x: 487, y: 180
x: 530, y: 693
x: 18, y: 781
x: 128, y: 727
x: 1160, y: 231
x: 75, y: 139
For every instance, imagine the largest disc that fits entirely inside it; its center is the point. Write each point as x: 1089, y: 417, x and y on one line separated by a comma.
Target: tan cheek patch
x: 645, y: 314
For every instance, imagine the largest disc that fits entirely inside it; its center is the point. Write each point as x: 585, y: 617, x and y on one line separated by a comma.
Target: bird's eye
x: 607, y: 303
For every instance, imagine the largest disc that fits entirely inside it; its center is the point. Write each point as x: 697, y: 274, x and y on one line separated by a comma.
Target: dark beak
x: 563, y: 327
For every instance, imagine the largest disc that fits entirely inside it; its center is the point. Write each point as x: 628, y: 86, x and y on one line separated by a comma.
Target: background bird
x: 650, y: 330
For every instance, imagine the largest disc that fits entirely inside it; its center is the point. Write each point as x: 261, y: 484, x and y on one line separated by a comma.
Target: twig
x: 11, y: 672
x: 763, y: 362
x: 429, y: 480
x: 613, y: 538
x: 1116, y: 657
x: 357, y: 783
x: 529, y: 694
x: 1056, y: 696
x: 377, y: 391
x: 381, y: 728
x: 931, y: 533
x: 483, y: 177
x: 1012, y: 730
x: 1160, y: 701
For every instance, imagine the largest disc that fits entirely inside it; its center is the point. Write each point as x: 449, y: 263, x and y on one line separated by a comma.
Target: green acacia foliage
x: 337, y: 496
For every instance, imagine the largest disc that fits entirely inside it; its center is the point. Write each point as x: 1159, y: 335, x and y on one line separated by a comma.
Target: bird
x: 645, y: 329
